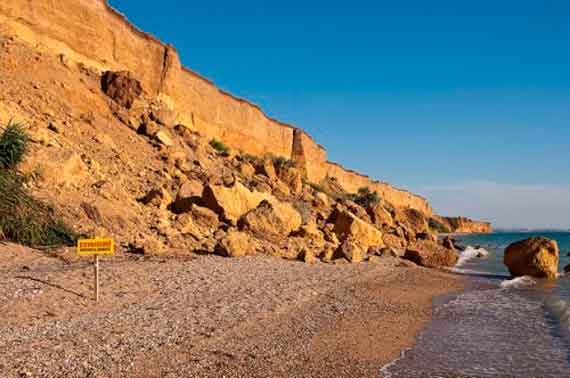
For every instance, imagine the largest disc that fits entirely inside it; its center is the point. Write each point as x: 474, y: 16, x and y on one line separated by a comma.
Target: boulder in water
x: 536, y: 257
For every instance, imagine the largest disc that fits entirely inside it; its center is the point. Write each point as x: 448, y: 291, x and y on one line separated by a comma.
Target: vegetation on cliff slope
x: 24, y: 219
x: 13, y: 144
x: 365, y: 197
x: 219, y: 147
x: 437, y: 226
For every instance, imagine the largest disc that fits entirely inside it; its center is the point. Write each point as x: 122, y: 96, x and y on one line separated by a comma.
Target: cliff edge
x: 93, y: 36
x: 93, y: 33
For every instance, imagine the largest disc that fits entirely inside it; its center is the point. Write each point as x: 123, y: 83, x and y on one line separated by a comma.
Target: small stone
x: 165, y: 139
x: 54, y: 127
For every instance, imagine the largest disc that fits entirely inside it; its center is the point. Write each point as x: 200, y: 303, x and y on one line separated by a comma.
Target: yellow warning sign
x: 94, y: 247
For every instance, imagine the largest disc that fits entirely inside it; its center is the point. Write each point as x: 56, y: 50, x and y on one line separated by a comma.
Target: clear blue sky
x: 466, y: 102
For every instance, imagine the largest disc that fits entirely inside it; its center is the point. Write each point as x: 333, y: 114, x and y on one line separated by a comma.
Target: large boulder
x: 271, y: 220
x: 236, y: 244
x: 267, y: 168
x: 536, y: 257
x: 163, y: 115
x: 311, y: 232
x: 293, y: 178
x: 352, y: 250
x: 394, y: 241
x: 430, y: 254
x: 188, y: 194
x: 380, y: 216
x: 355, y: 209
x: 348, y: 225
x: 232, y: 202
x: 164, y: 138
x: 293, y: 248
x: 198, y: 222
x: 355, y: 235
x: 122, y: 87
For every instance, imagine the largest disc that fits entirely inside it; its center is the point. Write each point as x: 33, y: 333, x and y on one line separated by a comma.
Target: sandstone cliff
x: 466, y: 225
x: 94, y: 34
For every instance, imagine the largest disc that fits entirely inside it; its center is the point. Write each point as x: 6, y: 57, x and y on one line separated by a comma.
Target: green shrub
x: 219, y: 147
x: 365, y: 197
x: 438, y: 227
x: 252, y: 159
x: 13, y: 146
x: 281, y: 162
x: 24, y: 219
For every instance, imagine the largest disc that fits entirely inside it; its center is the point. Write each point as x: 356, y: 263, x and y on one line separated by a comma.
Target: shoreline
x: 211, y: 317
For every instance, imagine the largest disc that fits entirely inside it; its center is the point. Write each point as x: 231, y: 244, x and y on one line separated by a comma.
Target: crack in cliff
x: 114, y: 41
x: 164, y: 71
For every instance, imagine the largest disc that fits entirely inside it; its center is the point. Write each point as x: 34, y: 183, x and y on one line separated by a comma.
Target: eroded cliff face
x: 92, y: 33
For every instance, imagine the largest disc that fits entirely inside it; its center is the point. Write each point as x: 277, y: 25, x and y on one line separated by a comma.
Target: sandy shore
x: 208, y: 316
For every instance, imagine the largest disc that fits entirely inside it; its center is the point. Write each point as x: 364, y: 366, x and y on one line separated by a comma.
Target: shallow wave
x: 518, y: 283
x: 471, y: 253
x: 475, y: 335
x: 478, y: 273
x: 560, y: 308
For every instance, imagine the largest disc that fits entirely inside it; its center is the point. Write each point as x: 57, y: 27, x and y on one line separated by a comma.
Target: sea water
x: 507, y: 328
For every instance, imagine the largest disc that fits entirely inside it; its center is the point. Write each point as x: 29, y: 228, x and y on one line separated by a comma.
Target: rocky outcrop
x: 122, y: 87
x: 430, y: 254
x: 536, y: 257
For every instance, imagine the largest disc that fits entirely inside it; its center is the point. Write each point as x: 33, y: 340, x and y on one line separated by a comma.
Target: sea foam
x: 470, y: 253
x: 517, y: 283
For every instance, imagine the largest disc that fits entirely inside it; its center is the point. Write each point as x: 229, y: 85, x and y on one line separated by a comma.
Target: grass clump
x: 249, y: 158
x: 24, y: 219
x: 281, y: 162
x: 13, y: 145
x: 365, y: 197
x: 219, y: 147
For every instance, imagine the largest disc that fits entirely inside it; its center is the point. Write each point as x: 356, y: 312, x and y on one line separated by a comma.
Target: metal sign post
x: 97, y: 278
x: 96, y: 248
